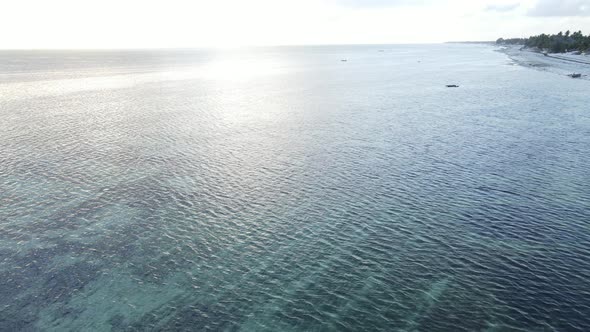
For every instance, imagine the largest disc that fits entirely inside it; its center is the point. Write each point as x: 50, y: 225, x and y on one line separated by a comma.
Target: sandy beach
x: 557, y: 63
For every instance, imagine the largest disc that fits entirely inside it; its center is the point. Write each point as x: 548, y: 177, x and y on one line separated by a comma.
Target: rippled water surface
x: 282, y: 189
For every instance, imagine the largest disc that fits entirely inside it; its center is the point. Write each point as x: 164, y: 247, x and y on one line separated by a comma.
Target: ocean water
x: 282, y: 189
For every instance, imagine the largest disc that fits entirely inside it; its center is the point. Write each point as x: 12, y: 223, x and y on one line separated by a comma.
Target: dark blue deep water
x: 282, y: 189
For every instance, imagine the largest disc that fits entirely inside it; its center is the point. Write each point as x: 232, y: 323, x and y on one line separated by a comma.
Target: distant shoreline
x: 563, y: 64
x: 556, y: 43
x: 472, y: 42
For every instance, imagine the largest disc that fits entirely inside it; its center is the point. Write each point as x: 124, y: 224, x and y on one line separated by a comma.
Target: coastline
x: 560, y: 63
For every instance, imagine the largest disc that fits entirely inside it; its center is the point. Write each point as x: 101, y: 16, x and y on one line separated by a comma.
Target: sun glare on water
x: 235, y: 69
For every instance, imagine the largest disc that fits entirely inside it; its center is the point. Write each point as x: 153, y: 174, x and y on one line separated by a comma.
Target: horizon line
x: 211, y: 47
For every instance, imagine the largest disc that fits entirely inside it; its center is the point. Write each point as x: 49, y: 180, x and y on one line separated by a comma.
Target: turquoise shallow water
x: 281, y: 189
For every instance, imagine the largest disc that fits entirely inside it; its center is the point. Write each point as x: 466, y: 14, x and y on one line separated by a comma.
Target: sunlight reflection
x: 237, y: 69
x: 227, y: 68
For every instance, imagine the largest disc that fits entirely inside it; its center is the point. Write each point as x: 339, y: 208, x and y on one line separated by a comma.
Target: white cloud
x: 204, y: 23
x: 502, y: 7
x: 381, y: 3
x: 550, y: 8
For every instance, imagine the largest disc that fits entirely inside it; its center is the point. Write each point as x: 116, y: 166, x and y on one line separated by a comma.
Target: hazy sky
x: 204, y: 23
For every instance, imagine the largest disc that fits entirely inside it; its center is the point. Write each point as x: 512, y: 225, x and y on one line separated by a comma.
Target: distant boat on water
x: 574, y: 75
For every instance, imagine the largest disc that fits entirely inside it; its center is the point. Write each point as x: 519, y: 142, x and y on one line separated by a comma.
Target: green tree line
x: 558, y: 43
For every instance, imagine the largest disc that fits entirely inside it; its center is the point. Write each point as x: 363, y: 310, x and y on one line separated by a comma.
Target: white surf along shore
x: 557, y: 63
